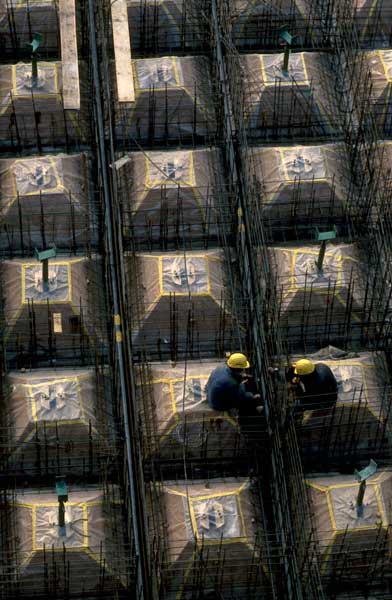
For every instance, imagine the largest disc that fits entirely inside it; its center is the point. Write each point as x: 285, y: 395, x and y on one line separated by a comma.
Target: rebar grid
x: 104, y: 568
x: 19, y: 23
x: 357, y: 128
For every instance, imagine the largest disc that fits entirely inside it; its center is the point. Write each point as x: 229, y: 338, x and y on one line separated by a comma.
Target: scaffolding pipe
x: 143, y: 581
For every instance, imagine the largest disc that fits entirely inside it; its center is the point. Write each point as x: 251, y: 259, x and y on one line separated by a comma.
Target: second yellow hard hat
x: 304, y: 367
x: 238, y: 361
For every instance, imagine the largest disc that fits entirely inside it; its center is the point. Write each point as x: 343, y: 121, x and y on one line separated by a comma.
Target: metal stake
x: 362, y: 476
x: 286, y: 58
x: 43, y: 257
x: 35, y: 44
x: 323, y: 237
x: 287, y: 39
x: 62, y: 497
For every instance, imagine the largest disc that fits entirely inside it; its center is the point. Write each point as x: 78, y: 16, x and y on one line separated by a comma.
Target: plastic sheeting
x: 73, y: 294
x: 301, y: 181
x: 168, y: 167
x: 56, y: 401
x: 200, y: 514
x: 35, y: 176
x: 39, y: 521
x: 156, y: 73
x: 64, y: 410
x: 46, y: 82
x: 185, y: 276
x: 172, y: 195
x: 298, y: 265
x: 179, y: 299
x: 272, y: 68
x: 380, y: 66
x: 45, y: 192
x: 56, y: 289
x: 359, y: 420
x: 16, y: 86
x: 181, y: 92
x: 217, y: 517
x: 21, y: 101
x: 47, y: 529
x: 176, y: 415
x: 344, y: 536
x: 305, y: 271
x: 303, y: 163
x: 87, y: 542
x: 308, y: 296
x: 296, y: 102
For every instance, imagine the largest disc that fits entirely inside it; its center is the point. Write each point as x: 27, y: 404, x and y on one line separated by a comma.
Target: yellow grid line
x: 339, y: 259
x: 380, y: 54
x: 301, y: 82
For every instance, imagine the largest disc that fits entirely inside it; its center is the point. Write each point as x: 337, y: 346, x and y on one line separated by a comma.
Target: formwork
x: 86, y: 556
x: 283, y: 103
x: 213, y: 538
x: 302, y: 187
x: 56, y: 421
x: 358, y: 426
x: 353, y: 549
x: 182, y: 305
x: 362, y: 411
x: 177, y: 421
x: 372, y: 20
x: 161, y: 26
x: 318, y: 305
x: 379, y: 63
x: 174, y: 103
x: 173, y: 198
x: 63, y: 320
x: 63, y: 427
x: 19, y: 21
x: 259, y: 24
x: 45, y: 200
x: 32, y: 113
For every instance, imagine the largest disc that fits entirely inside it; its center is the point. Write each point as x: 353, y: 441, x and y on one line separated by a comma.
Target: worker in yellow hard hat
x: 314, y: 384
x: 226, y: 387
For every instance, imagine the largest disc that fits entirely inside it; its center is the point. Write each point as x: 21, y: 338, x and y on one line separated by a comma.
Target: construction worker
x: 226, y: 387
x: 314, y: 385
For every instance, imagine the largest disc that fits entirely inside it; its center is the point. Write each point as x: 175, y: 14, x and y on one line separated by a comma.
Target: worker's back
x: 318, y: 389
x: 223, y: 388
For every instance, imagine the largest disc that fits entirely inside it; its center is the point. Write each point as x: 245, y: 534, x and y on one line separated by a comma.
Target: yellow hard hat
x: 304, y: 367
x: 238, y: 361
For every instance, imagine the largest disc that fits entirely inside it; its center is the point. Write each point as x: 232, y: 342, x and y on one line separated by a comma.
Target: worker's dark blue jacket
x: 319, y: 389
x: 225, y: 390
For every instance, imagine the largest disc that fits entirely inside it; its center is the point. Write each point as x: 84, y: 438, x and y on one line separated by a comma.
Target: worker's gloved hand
x: 256, y: 396
x: 259, y: 409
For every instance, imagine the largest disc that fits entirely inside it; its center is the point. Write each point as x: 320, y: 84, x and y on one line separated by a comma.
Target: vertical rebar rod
x: 123, y: 355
